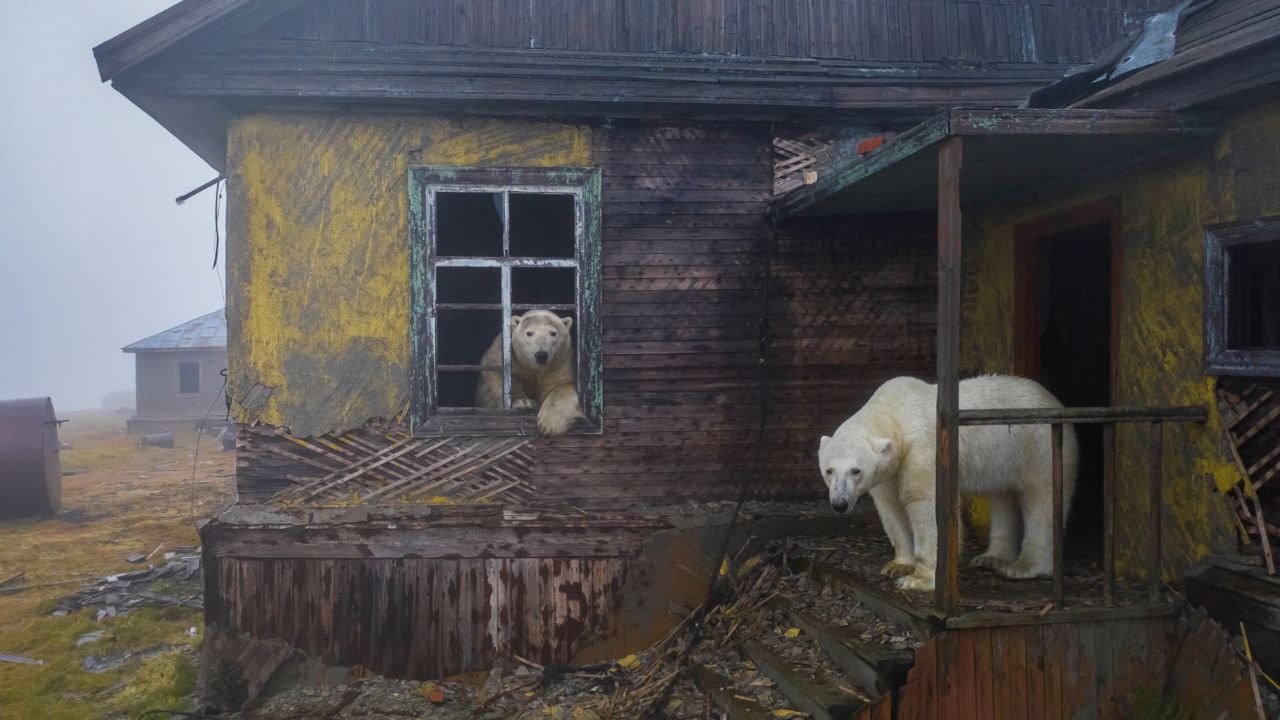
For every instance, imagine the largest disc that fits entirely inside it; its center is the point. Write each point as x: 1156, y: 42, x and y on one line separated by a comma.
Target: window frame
x: 425, y: 416
x: 199, y: 379
x: 1219, y: 358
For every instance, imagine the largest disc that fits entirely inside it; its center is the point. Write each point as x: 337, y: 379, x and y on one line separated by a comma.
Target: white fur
x: 546, y: 384
x: 887, y: 449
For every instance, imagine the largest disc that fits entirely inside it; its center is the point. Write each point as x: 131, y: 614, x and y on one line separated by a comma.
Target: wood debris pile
x: 176, y: 582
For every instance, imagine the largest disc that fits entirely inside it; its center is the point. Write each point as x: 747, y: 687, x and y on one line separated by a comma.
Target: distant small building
x: 179, y: 375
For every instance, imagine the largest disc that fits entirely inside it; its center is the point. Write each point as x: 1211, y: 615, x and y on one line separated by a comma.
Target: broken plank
x: 720, y: 688
x: 822, y: 700
x: 19, y: 660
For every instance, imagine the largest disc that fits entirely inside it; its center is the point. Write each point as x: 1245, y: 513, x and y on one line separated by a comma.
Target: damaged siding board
x: 418, y: 618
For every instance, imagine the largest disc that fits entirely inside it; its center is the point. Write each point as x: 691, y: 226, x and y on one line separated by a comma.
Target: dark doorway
x: 1065, y: 335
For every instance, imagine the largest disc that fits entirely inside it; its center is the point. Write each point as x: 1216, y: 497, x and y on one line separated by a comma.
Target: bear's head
x: 540, y: 338
x: 853, y: 464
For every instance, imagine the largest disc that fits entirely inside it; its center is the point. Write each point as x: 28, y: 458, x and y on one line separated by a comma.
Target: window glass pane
x: 457, y: 388
x: 468, y: 224
x: 469, y: 285
x: 189, y: 378
x: 542, y: 225
x: 539, y: 287
x: 1253, y: 289
x: 463, y: 336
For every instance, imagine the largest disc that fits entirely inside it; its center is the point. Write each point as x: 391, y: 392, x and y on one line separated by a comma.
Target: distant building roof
x: 205, y: 332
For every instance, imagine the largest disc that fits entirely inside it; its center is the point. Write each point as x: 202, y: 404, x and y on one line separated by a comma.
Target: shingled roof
x: 207, y: 332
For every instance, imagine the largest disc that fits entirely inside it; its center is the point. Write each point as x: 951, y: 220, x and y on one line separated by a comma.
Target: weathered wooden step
x: 722, y: 694
x: 822, y: 700
x: 922, y: 622
x: 877, y: 668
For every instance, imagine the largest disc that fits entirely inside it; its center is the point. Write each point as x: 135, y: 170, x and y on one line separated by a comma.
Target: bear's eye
x: 830, y: 471
x: 553, y: 333
x: 855, y: 472
x: 530, y: 333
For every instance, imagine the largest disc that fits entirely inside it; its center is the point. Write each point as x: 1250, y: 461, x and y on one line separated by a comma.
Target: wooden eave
x: 177, y: 23
x: 1006, y: 152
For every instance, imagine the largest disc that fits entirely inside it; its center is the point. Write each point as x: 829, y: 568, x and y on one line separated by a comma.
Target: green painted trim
x: 848, y: 167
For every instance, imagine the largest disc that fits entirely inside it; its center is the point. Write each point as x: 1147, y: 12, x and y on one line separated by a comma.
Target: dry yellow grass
x: 121, y: 499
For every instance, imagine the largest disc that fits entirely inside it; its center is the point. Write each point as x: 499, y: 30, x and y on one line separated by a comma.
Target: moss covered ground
x: 117, y: 499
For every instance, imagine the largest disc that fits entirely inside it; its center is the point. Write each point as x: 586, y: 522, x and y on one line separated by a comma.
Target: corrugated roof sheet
x: 205, y: 332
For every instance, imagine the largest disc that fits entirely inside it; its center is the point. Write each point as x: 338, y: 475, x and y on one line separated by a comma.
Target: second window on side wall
x: 489, y: 253
x: 1242, y: 298
x: 188, y: 378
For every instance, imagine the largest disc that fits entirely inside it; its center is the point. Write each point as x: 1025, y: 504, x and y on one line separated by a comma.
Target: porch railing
x: 946, y: 598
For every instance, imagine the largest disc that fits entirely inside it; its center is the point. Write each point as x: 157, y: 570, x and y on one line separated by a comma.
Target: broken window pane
x: 1253, y: 290
x: 540, y: 287
x: 542, y: 225
x: 469, y: 224
x: 466, y: 285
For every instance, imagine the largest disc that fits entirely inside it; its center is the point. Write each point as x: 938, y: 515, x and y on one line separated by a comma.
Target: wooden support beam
x: 1058, y: 589
x: 947, y: 498
x: 1157, y: 510
x: 1108, y: 515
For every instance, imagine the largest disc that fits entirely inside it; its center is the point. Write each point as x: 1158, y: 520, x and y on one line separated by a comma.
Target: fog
x: 94, y: 254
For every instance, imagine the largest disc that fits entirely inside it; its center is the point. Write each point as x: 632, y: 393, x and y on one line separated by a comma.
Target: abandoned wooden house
x: 179, y: 375
x: 754, y: 213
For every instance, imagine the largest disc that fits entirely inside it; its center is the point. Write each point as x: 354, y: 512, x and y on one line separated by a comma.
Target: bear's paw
x: 917, y: 581
x: 991, y: 561
x: 897, y: 568
x: 1025, y: 569
x: 523, y: 404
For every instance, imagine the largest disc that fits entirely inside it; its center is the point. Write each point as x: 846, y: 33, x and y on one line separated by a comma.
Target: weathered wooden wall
x: 1075, y: 671
x: 1071, y: 31
x: 1163, y: 210
x: 418, y: 618
x: 320, y: 299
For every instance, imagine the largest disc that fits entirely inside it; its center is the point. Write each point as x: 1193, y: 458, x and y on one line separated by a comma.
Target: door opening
x: 1065, y: 340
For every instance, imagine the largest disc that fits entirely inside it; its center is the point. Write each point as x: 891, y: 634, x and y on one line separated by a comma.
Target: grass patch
x: 128, y: 500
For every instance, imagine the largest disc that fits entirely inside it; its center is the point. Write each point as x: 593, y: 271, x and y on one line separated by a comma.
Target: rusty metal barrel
x: 30, y: 473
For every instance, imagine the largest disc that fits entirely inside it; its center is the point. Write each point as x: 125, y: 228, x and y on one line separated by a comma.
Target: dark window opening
x: 188, y: 378
x: 543, y: 225
x: 488, y: 246
x: 469, y: 224
x: 1242, y: 298
x: 1253, y: 292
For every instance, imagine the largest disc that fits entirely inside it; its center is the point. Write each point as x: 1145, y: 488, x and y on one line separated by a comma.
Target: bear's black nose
x: 839, y: 506
x: 541, y: 356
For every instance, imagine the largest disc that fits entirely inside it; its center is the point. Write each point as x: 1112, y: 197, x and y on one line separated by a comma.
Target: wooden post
x: 947, y: 498
x: 1058, y: 590
x: 1108, y: 515
x: 1157, y: 510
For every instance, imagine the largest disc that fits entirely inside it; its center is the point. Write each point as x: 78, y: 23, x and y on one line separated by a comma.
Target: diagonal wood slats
x: 376, y: 465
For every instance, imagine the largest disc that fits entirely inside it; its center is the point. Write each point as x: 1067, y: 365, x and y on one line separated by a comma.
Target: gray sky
x: 93, y: 252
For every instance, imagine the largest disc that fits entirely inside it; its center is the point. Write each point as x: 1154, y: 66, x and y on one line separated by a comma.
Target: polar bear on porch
x: 542, y: 371
x: 888, y: 449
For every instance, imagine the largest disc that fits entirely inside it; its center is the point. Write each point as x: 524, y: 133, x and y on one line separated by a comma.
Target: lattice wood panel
x: 1251, y: 417
x: 388, y: 465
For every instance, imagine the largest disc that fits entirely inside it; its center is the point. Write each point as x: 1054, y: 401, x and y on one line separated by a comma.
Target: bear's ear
x: 822, y: 441
x: 881, y: 445
x: 515, y: 320
x: 567, y: 322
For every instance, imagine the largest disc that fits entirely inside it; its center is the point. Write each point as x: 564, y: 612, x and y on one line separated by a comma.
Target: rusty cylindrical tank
x: 30, y: 474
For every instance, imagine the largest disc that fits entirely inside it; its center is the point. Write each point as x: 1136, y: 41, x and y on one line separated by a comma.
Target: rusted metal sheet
x: 30, y: 472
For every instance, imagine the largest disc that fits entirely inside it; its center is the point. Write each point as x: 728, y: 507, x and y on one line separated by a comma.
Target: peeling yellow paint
x: 318, y: 253
x: 1163, y: 210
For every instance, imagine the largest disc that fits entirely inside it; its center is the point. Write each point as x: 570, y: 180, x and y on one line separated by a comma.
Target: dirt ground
x: 118, y: 499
